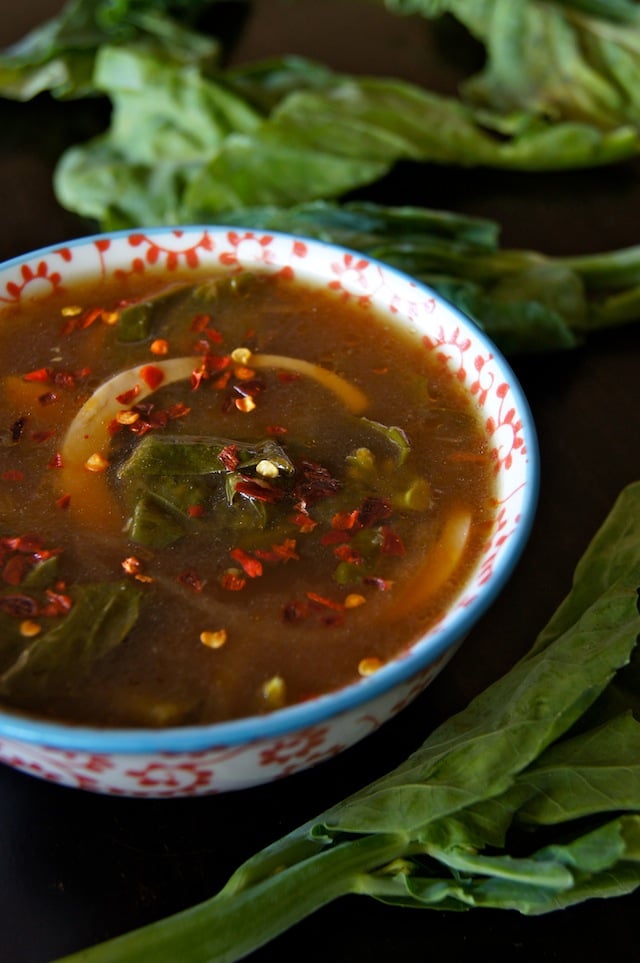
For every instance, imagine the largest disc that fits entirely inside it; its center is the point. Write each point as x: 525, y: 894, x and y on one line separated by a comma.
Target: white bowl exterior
x: 457, y: 344
x: 165, y: 775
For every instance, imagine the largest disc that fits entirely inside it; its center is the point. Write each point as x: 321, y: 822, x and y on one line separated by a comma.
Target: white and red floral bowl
x: 239, y: 754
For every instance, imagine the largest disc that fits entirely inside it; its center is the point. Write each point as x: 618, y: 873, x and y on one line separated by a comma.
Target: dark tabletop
x: 77, y: 868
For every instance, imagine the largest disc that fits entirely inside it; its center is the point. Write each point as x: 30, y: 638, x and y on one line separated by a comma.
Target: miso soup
x: 223, y: 497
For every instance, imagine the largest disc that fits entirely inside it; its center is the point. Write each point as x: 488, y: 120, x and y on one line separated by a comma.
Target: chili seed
x: 369, y: 666
x: 353, y: 600
x: 96, y: 463
x: 274, y: 691
x: 29, y: 629
x: 214, y: 640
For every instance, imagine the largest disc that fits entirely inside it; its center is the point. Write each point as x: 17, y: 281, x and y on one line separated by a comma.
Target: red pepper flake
x: 232, y: 581
x: 373, y: 511
x: 200, y: 321
x: 197, y: 377
x: 89, y: 316
x: 48, y: 398
x: 127, y: 397
x: 191, y: 579
x: 152, y: 376
x: 195, y: 511
x: 392, y: 544
x: 61, y: 602
x: 13, y: 475
x: 304, y: 522
x: 229, y: 457
x: 56, y: 461
x: 260, y: 490
x: 282, y: 552
x: 221, y: 383
x: 40, y: 374
x: 179, y: 410
x: 213, y: 335
x: 345, y: 521
x: 348, y: 554
x: 324, y: 601
x: 276, y: 430
x: 64, y: 501
x: 252, y: 566
x: 216, y: 362
x: 315, y: 483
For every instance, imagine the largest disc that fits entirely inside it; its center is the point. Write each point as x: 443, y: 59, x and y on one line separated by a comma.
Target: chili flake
x: 233, y: 581
x: 191, y: 579
x: 152, y: 376
x: 128, y: 396
x: 252, y: 566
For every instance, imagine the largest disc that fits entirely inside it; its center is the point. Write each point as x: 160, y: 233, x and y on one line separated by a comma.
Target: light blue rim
x: 243, y: 731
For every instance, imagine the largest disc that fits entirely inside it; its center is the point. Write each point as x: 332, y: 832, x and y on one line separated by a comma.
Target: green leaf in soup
x: 140, y: 319
x: 197, y: 455
x: 100, y: 618
x: 154, y: 523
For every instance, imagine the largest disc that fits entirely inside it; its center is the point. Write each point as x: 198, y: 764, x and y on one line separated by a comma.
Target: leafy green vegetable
x: 101, y: 616
x: 526, y: 301
x: 464, y: 822
x: 59, y: 55
x: 189, y: 139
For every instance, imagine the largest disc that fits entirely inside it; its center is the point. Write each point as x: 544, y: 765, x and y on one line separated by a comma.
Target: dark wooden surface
x: 77, y: 868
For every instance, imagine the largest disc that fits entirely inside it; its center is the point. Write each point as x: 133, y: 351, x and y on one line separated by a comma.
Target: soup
x: 223, y: 497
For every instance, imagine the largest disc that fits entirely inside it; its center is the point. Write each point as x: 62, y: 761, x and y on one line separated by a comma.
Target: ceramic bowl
x: 239, y: 754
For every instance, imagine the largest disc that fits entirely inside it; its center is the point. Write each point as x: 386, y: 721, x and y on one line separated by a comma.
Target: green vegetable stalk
x: 548, y: 752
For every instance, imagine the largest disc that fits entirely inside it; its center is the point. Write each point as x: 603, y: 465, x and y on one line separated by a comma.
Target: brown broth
x: 162, y: 673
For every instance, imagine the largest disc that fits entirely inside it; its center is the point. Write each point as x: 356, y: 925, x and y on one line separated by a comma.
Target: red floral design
x: 300, y: 749
x: 172, y: 777
x: 42, y: 273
